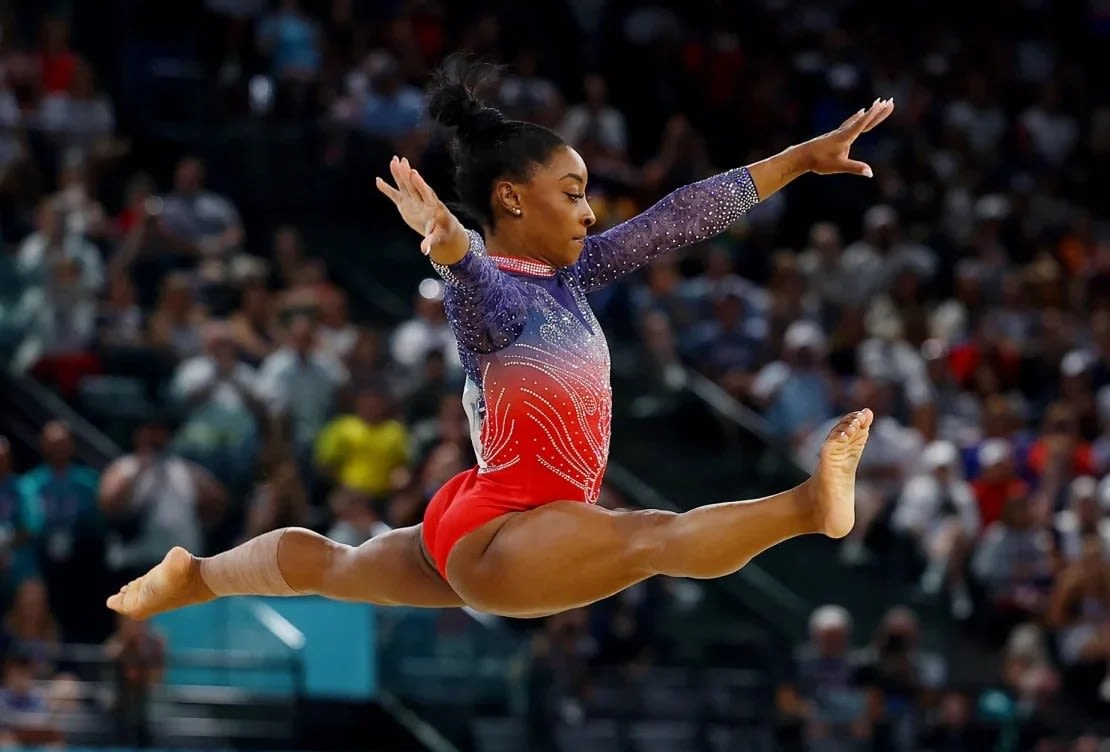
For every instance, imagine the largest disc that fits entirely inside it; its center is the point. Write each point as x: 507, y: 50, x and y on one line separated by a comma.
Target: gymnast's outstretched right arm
x: 487, y: 306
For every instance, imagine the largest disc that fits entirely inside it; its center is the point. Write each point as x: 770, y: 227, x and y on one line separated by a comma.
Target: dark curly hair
x: 486, y: 146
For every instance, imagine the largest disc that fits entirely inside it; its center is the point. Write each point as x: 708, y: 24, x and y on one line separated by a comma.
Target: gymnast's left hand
x: 829, y: 154
x: 445, y: 239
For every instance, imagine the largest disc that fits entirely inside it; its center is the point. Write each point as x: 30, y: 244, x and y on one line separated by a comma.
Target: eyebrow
x: 574, y: 175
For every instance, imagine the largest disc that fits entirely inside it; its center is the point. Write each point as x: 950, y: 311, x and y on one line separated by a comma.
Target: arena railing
x: 86, y: 705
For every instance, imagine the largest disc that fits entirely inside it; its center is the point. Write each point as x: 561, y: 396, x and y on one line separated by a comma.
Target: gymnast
x: 519, y: 534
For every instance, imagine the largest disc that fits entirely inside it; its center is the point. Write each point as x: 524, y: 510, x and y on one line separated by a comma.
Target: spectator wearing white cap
x: 797, y: 392
x: 822, y: 692
x: 937, y: 510
x: 1084, y: 516
x: 1076, y: 389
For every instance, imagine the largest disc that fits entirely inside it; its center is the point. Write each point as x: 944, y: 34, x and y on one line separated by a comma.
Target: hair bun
x: 481, y: 121
x: 453, y: 104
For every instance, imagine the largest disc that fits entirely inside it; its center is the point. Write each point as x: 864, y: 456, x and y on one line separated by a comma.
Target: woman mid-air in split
x: 519, y: 535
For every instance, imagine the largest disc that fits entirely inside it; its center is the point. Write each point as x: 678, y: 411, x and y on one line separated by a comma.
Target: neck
x: 506, y: 242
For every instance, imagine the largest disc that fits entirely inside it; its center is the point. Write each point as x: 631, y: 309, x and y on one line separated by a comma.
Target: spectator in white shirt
x: 427, y: 330
x: 199, y: 223
x: 938, y: 512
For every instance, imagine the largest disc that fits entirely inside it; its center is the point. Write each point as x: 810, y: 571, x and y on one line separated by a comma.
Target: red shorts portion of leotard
x: 471, y: 499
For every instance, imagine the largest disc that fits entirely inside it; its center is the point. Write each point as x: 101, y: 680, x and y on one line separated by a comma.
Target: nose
x: 589, y: 217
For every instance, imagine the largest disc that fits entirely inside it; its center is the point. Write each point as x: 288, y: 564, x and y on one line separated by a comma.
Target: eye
x: 576, y: 196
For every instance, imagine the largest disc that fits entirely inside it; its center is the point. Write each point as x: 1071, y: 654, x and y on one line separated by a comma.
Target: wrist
x: 798, y: 159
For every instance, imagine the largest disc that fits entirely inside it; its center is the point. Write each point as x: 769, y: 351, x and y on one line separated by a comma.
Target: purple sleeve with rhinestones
x: 486, y: 307
x: 687, y: 215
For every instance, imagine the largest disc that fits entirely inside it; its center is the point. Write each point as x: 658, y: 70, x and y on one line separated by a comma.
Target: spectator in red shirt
x: 1060, y: 434
x: 998, y: 482
x: 57, y: 62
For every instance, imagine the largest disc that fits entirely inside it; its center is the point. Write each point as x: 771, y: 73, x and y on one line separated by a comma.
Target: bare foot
x: 834, y: 482
x: 175, y: 583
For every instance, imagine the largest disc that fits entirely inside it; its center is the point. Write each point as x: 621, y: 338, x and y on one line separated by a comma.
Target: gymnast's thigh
x: 555, y: 557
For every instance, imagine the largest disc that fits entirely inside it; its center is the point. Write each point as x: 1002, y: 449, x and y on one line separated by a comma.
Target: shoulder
x: 125, y: 465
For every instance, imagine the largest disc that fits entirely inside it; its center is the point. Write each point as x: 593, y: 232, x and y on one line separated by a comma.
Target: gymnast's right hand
x: 445, y: 239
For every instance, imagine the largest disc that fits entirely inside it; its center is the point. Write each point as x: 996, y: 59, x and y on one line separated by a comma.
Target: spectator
x: 81, y: 119
x: 907, y: 677
x: 937, y: 510
x: 138, y: 657
x: 797, y: 393
x: 337, y: 334
x: 52, y: 243
x: 279, y: 501
x: 392, y: 109
x: 821, y: 693
x: 30, y: 628
x: 1083, y: 517
x: 176, y: 321
x: 25, y: 709
x: 363, y: 450
x: 356, y: 520
x: 291, y: 41
x: 60, y: 512
x: 1014, y: 565
x: 1080, y: 613
x: 997, y: 484
x: 598, y: 130
x: 153, y: 500
x: 222, y: 403
x: 956, y: 727
x: 16, y: 558
x: 426, y: 330
x: 300, y: 384
x: 202, y: 226
x: 252, y: 323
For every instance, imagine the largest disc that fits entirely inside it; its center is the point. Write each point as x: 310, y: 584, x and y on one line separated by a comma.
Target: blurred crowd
x: 962, y: 295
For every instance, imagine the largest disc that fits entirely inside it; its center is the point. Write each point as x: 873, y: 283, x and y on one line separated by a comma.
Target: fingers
x: 865, y: 120
x: 422, y: 189
x: 853, y: 121
x: 389, y: 191
x: 856, y: 168
x: 402, y: 176
x: 880, y: 113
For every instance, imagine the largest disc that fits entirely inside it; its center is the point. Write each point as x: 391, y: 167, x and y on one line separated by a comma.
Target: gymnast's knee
x: 645, y: 538
x: 309, y: 560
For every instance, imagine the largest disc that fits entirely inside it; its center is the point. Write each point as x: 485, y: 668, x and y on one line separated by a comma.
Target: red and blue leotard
x: 537, y: 392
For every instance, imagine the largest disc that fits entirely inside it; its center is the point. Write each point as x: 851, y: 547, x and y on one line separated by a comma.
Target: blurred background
x: 214, y: 326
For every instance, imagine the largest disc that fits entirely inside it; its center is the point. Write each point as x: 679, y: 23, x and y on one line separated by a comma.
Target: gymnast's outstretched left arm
x: 706, y: 208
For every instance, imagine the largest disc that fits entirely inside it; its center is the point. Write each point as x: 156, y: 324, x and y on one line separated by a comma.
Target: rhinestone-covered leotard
x: 537, y: 393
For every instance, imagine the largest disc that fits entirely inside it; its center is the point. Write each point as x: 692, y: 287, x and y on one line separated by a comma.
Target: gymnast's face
x: 554, y: 215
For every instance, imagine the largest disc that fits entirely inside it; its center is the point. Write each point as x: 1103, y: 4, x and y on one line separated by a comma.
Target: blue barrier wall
x: 335, y: 642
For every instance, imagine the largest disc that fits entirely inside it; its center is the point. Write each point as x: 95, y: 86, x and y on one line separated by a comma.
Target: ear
x: 506, y: 197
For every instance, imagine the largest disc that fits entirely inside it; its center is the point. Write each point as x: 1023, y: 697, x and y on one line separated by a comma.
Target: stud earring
x: 516, y: 210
